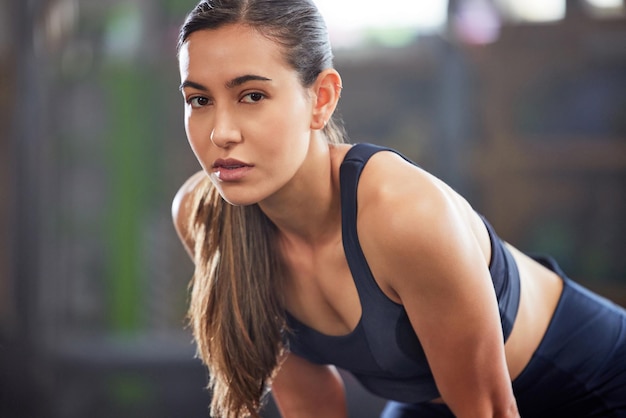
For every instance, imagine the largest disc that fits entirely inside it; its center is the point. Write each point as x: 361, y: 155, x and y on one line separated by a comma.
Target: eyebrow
x: 192, y: 84
x: 235, y: 82
x: 238, y: 81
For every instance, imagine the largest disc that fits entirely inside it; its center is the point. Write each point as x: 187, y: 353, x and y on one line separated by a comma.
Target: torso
x: 540, y: 292
x: 321, y: 292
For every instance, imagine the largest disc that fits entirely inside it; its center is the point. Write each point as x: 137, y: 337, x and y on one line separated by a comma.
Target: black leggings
x: 578, y: 370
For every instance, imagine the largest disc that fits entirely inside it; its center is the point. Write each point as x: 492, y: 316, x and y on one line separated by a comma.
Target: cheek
x: 187, y: 127
x: 195, y: 138
x: 189, y: 131
x: 293, y: 127
x: 295, y: 116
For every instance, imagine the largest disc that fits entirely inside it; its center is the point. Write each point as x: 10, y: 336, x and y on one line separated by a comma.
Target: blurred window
x: 532, y: 10
x: 397, y: 22
x: 606, y: 8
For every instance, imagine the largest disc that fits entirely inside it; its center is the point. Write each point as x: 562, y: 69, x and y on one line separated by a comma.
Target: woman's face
x: 247, y: 116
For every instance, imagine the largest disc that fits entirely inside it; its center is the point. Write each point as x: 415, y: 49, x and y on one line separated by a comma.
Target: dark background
x: 531, y: 128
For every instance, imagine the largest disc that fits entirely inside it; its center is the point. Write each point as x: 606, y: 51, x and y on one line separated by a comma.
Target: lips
x: 230, y: 169
x: 229, y: 164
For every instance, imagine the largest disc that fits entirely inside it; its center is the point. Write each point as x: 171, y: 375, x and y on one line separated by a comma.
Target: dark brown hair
x: 236, y: 311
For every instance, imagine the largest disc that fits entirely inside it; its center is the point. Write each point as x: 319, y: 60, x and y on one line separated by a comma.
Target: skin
x: 274, y: 128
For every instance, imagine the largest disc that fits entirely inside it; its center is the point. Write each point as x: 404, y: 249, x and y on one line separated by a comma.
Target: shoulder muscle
x: 406, y: 212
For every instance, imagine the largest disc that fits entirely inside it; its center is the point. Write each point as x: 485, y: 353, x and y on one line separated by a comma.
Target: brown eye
x: 198, y: 101
x: 253, y: 97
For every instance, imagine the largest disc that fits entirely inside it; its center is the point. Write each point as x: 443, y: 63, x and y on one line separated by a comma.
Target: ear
x: 326, y: 93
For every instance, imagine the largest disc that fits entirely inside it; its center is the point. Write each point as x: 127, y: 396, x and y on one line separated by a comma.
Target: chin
x: 238, y: 199
x: 239, y: 203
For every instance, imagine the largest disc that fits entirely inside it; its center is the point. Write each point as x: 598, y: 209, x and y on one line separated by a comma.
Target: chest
x: 320, y: 290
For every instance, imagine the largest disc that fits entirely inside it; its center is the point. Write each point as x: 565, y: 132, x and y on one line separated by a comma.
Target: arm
x: 302, y: 389
x: 431, y: 260
x: 182, y: 209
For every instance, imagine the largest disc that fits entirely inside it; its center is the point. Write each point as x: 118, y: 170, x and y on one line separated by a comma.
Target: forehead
x: 230, y: 50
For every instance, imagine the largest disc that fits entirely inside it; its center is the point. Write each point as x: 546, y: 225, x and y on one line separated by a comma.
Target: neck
x: 308, y: 209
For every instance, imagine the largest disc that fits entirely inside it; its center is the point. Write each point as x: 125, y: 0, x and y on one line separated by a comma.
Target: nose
x: 225, y: 131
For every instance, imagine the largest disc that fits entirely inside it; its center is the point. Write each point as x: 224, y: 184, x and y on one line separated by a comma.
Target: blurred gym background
x: 520, y: 105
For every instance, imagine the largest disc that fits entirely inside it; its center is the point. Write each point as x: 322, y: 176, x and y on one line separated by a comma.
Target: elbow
x: 503, y: 409
x: 509, y: 410
x: 493, y: 409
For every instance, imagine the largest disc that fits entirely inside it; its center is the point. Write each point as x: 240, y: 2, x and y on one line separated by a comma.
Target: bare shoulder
x: 182, y: 208
x: 394, y: 194
x: 405, y: 211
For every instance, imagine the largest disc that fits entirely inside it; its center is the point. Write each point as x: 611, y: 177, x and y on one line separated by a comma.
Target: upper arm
x: 303, y: 389
x: 432, y: 261
x: 182, y: 209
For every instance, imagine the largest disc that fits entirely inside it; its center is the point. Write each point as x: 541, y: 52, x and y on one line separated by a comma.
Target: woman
x: 413, y: 293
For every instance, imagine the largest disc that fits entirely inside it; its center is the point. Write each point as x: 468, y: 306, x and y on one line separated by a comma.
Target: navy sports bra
x: 383, y: 352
